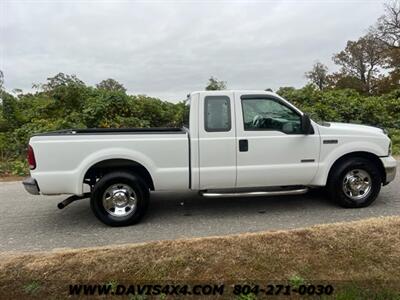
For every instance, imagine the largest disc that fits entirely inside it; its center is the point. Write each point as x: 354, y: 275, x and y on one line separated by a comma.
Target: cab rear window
x: 217, y: 112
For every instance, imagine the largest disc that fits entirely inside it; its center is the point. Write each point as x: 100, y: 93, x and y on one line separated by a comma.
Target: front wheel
x: 119, y: 199
x: 354, y: 183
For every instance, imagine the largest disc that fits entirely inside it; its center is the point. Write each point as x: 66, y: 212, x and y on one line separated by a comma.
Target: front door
x: 272, y: 150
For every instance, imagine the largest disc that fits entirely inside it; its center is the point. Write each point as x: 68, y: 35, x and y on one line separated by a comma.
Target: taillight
x: 31, y: 158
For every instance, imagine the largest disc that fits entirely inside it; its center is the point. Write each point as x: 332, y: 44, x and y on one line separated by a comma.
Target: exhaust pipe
x: 71, y: 199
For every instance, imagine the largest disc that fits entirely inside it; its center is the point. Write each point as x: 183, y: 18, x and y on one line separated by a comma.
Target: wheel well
x: 101, y: 168
x: 367, y: 155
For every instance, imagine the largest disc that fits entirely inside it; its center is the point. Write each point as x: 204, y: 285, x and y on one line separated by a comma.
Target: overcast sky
x: 168, y: 48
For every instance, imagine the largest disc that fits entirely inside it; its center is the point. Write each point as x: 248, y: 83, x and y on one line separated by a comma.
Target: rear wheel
x: 355, y: 182
x: 119, y: 199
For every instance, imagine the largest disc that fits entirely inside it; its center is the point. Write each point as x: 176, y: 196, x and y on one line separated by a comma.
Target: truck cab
x: 251, y: 139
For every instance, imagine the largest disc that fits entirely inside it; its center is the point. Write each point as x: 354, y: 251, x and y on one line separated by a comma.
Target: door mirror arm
x: 306, y: 126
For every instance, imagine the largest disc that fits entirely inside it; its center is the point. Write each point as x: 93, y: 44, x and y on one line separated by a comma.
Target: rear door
x: 217, y: 140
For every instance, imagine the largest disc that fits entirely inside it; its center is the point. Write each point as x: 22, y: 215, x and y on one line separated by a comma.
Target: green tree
x: 318, y: 75
x: 1, y: 79
x: 387, y: 30
x: 339, y: 80
x: 60, y: 80
x: 214, y: 84
x: 111, y: 85
x: 9, y: 107
x: 361, y: 59
x: 68, y: 93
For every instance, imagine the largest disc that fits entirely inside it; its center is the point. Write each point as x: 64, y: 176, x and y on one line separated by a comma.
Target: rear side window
x: 217, y: 110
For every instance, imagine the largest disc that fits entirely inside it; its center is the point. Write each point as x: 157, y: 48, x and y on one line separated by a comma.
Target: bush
x: 350, y: 107
x: 347, y: 106
x: 73, y: 105
x: 68, y: 103
x: 16, y: 167
x: 395, y: 136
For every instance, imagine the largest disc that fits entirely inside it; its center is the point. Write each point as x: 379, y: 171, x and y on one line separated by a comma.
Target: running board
x: 254, y: 194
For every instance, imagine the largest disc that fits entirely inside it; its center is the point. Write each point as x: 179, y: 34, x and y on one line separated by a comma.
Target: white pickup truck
x: 234, y: 143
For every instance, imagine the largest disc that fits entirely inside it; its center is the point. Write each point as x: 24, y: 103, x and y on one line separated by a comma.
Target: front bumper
x: 390, y: 165
x: 31, y: 186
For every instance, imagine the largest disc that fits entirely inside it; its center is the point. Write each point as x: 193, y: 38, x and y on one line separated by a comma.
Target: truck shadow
x: 175, y: 205
x: 191, y: 204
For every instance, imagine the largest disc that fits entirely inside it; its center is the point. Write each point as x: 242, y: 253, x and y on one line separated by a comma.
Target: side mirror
x: 306, y: 126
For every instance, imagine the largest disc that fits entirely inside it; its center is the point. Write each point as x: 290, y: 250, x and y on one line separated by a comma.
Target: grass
x: 296, y: 280
x: 351, y: 291
x: 32, y: 288
x: 363, y: 253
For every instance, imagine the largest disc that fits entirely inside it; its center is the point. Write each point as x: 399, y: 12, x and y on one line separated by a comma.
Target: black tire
x: 336, y: 181
x: 121, y: 180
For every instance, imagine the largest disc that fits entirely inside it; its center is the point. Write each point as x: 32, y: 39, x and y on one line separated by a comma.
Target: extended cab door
x: 272, y: 150
x: 217, y: 140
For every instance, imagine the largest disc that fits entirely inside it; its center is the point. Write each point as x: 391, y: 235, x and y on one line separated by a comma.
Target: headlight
x: 390, y: 149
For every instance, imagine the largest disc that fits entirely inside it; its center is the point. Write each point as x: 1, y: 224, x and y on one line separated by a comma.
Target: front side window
x: 217, y: 112
x: 270, y: 114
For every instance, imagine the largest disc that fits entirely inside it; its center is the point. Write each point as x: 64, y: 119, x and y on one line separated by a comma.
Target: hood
x: 347, y: 128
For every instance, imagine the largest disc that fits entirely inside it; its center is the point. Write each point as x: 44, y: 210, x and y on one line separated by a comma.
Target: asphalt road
x: 35, y: 223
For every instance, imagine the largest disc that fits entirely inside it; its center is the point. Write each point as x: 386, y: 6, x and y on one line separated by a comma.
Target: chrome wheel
x: 357, y: 184
x: 119, y: 200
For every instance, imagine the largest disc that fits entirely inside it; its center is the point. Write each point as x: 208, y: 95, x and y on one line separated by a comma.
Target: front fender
x: 330, y: 155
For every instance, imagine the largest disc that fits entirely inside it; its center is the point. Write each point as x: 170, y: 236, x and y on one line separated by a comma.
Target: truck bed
x: 63, y: 157
x: 151, y: 130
